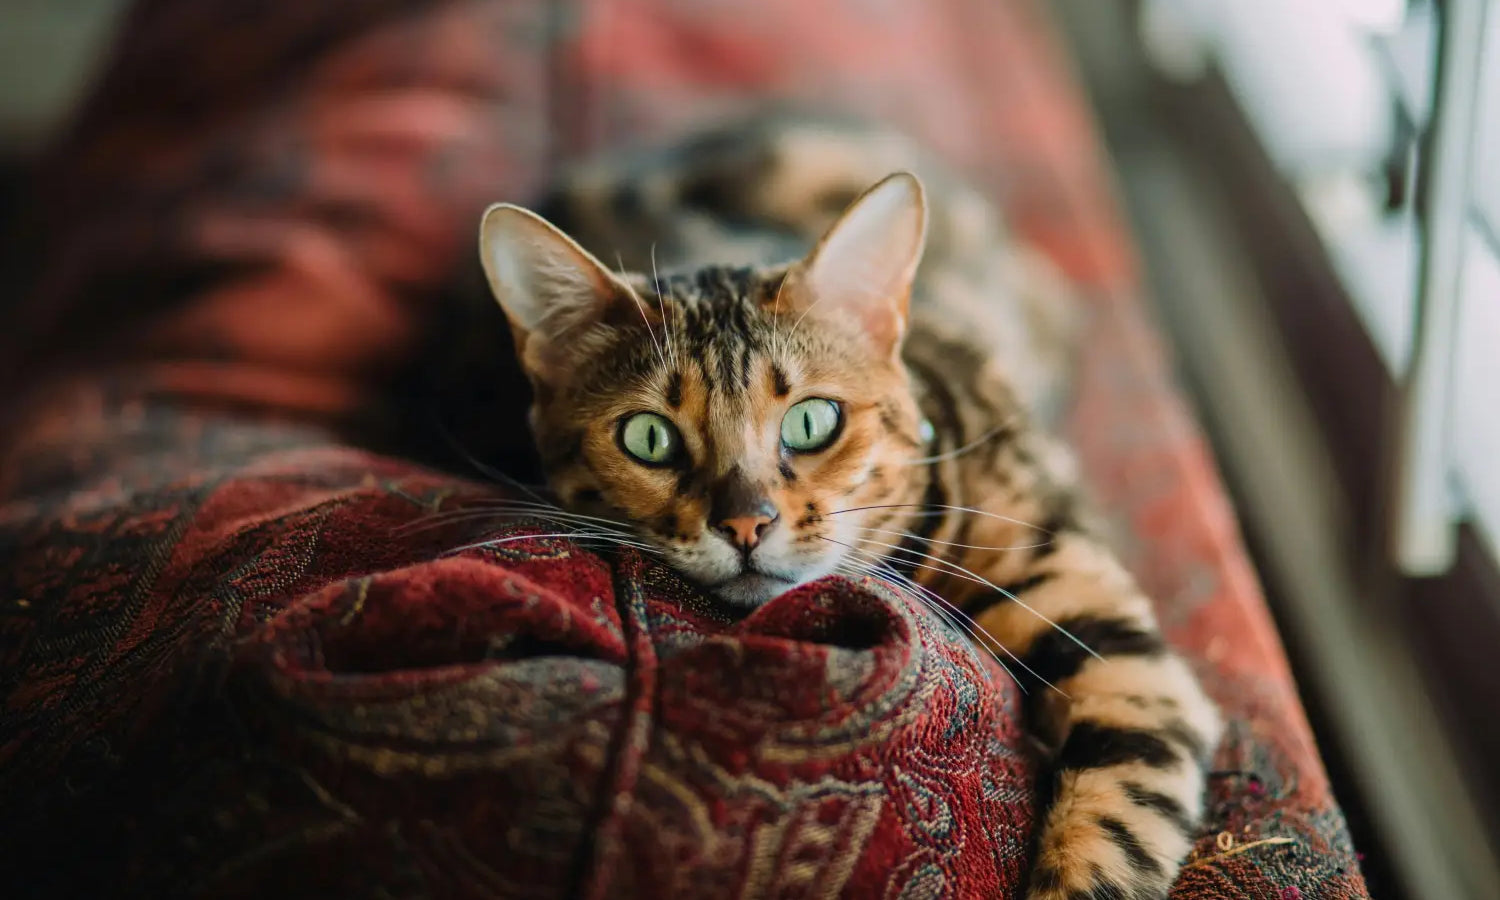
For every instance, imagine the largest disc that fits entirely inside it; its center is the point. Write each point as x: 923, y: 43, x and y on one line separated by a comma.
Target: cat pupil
x: 649, y: 438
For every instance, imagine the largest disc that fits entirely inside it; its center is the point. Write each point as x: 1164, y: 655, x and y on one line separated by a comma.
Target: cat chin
x: 751, y: 589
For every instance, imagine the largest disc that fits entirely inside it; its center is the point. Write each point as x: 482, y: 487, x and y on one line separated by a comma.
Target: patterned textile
x: 237, y: 659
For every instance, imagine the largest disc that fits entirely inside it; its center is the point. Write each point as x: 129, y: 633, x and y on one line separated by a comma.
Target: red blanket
x: 237, y: 655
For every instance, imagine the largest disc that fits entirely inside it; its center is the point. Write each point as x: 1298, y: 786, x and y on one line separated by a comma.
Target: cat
x: 877, y: 406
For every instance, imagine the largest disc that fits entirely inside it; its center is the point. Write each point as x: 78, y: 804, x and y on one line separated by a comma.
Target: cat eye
x: 810, y: 425
x: 650, y: 438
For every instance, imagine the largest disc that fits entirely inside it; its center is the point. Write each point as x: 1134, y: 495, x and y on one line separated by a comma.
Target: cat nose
x: 740, y: 510
x: 745, y: 531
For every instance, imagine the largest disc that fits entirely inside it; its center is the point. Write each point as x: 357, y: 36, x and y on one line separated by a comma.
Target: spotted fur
x: 941, y: 470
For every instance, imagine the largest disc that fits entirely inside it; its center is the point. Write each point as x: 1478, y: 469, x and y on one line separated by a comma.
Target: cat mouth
x: 751, y: 588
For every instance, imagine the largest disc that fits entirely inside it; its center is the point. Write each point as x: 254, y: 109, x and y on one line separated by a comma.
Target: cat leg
x: 1131, y: 727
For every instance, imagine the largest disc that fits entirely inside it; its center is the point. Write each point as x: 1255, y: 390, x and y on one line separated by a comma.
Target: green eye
x: 650, y: 438
x: 810, y: 425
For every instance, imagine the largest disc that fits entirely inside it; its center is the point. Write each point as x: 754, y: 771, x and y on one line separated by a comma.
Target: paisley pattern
x: 234, y: 661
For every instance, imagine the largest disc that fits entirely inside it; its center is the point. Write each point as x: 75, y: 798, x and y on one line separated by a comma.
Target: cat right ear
x: 550, y: 288
x: 863, y: 269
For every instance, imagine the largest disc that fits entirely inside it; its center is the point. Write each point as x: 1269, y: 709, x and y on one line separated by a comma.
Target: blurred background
x: 48, y: 50
x: 1315, y: 192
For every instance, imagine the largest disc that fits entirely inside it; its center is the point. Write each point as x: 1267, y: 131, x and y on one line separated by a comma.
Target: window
x: 1380, y: 115
x: 1476, y: 375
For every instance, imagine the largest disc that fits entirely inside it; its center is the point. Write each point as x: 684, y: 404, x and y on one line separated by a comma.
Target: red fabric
x: 236, y: 660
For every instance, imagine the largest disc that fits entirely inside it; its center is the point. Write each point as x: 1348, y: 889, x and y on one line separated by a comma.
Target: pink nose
x: 745, y: 531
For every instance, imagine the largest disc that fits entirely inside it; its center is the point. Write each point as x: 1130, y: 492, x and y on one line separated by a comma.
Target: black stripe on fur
x: 988, y: 600
x: 1163, y: 805
x: 1094, y: 746
x: 1130, y: 845
x: 1056, y: 657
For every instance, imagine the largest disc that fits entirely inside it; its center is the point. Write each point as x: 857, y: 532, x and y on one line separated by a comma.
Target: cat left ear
x: 550, y: 288
x: 864, y: 266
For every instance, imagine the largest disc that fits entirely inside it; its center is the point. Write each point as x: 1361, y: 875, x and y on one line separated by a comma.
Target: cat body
x: 761, y: 423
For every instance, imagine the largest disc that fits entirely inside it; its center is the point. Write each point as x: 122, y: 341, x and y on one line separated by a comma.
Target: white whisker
x: 572, y: 535
x: 954, y: 454
x: 910, y: 536
x: 935, y: 596
x: 640, y: 307
x: 776, y: 313
x: 667, y: 326
x: 959, y: 570
x: 793, y: 330
x: 962, y: 621
x: 935, y: 509
x: 485, y: 469
x: 905, y: 588
x: 522, y: 506
x: 469, y: 515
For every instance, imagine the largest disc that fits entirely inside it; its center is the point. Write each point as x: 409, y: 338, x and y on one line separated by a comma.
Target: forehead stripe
x: 674, y: 390
x: 779, y: 382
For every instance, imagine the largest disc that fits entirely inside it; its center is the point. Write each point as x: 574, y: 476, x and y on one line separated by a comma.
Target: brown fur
x: 983, y: 513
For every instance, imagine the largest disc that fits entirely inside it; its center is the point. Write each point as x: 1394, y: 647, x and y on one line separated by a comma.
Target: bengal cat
x: 760, y: 424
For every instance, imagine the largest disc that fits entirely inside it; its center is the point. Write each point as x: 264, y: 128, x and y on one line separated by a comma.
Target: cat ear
x: 550, y: 288
x: 864, y: 266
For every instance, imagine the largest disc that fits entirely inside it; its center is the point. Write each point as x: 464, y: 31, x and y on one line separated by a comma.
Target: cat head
x: 747, y: 422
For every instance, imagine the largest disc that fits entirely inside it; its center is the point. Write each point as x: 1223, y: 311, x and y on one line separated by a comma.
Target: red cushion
x: 237, y: 656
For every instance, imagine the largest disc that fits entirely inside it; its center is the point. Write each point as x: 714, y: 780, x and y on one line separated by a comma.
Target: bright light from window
x: 1322, y: 84
x: 1379, y: 16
